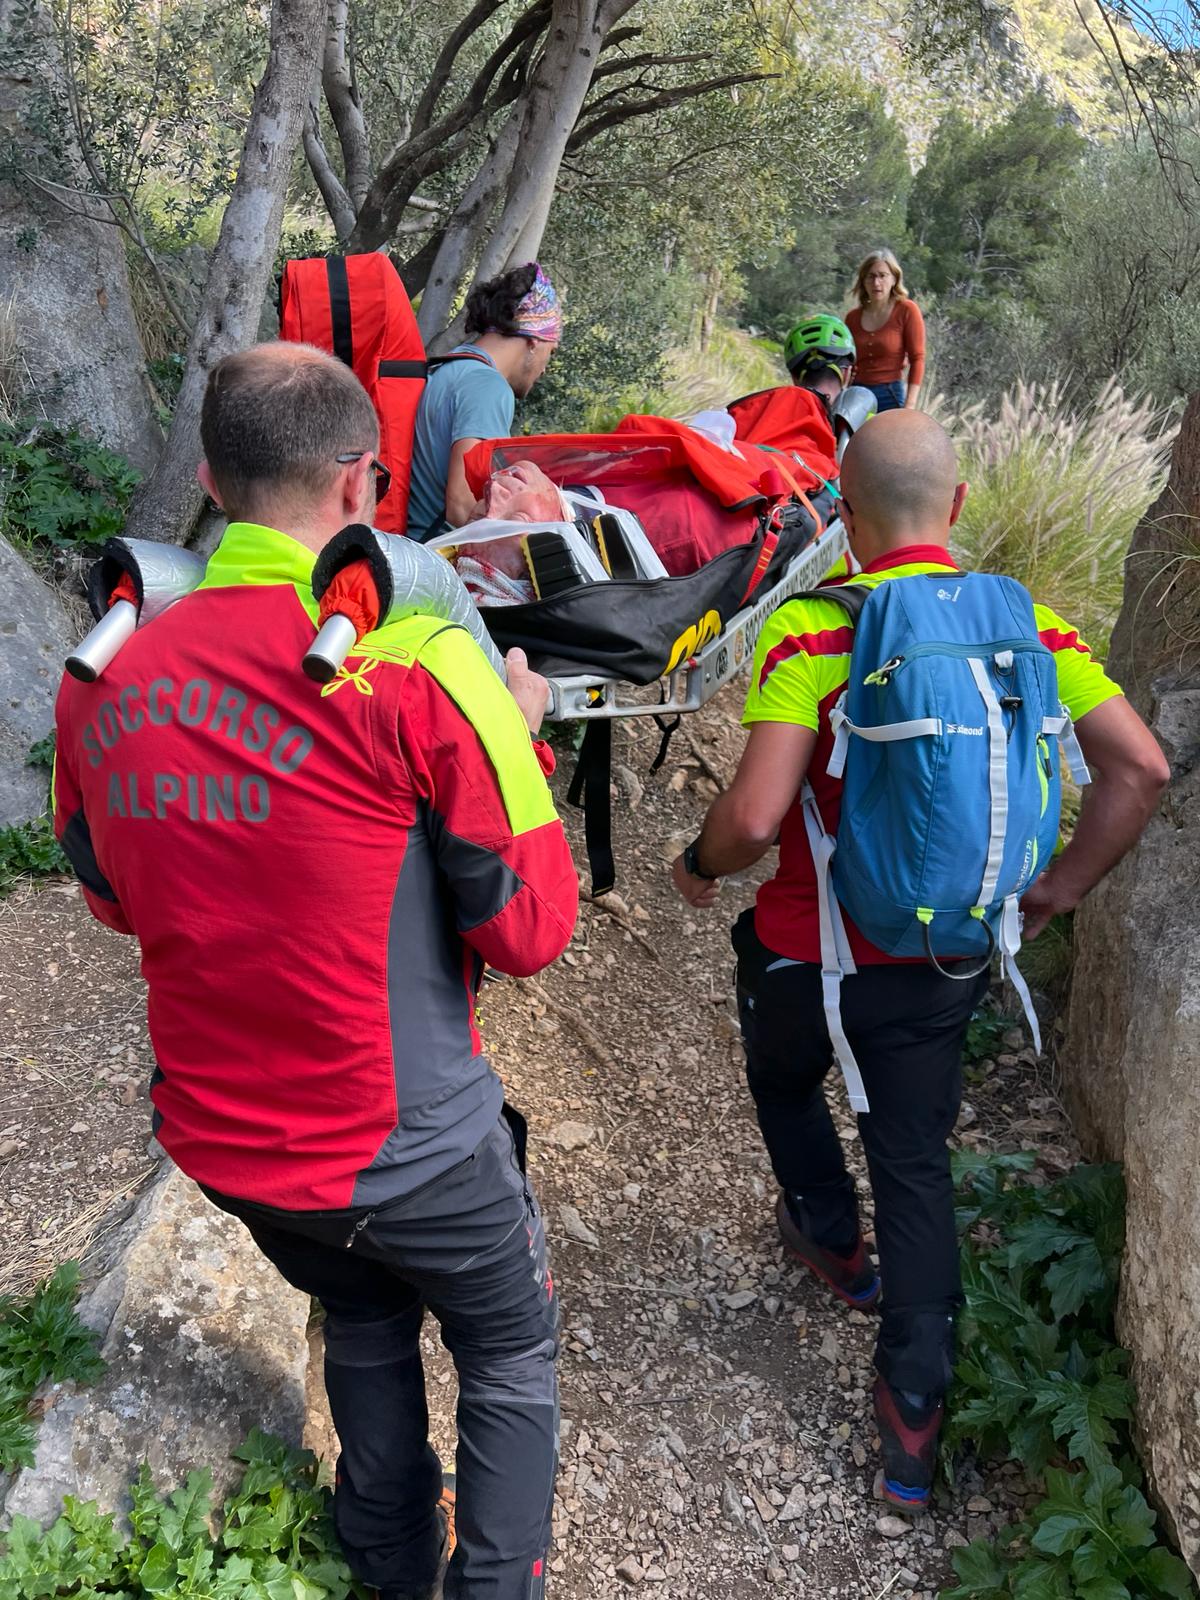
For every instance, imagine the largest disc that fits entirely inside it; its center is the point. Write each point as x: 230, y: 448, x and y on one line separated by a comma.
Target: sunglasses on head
x: 383, y: 476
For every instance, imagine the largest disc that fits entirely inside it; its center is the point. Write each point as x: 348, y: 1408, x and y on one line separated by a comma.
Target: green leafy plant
x: 41, y: 1339
x: 41, y: 752
x: 29, y: 847
x: 272, y: 1540
x: 984, y: 1034
x: 1043, y: 1381
x: 59, y: 488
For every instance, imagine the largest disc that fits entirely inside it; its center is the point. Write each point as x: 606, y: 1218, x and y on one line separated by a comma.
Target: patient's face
x: 522, y: 493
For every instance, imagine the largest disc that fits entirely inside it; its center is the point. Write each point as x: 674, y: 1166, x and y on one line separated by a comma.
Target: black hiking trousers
x: 906, y: 1025
x: 470, y: 1247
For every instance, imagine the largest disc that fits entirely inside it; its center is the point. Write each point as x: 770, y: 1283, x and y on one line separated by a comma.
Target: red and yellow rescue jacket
x: 316, y: 877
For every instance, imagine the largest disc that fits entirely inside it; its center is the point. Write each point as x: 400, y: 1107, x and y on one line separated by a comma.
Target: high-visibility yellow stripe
x: 250, y: 554
x: 464, y: 672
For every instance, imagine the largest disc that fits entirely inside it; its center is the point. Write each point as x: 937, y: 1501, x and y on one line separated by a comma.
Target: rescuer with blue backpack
x: 907, y: 726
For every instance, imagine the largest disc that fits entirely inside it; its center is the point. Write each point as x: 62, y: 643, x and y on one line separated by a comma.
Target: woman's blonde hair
x: 858, y: 293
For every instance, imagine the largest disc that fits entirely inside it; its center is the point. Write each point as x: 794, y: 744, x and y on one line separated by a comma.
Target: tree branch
x: 57, y: 193
x: 662, y: 101
x: 345, y: 105
x: 444, y: 65
x: 616, y: 37
x: 337, y: 202
x: 606, y: 69
x: 429, y: 151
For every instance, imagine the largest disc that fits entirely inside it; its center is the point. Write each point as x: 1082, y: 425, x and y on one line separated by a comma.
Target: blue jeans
x: 889, y: 396
x: 470, y: 1248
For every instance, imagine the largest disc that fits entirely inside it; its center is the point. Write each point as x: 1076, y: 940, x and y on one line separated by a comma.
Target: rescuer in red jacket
x: 317, y: 877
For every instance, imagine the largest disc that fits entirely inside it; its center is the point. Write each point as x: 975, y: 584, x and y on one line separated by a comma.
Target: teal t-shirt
x: 462, y: 400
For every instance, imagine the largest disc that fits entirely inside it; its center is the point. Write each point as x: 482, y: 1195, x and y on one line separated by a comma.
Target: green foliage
x: 1116, y: 296
x: 29, y: 848
x: 830, y: 238
x: 41, y: 752
x: 162, y: 94
x: 1056, y: 491
x: 986, y: 204
x: 273, y: 1539
x: 1042, y: 1381
x: 984, y: 1033
x: 41, y: 1339
x: 58, y: 488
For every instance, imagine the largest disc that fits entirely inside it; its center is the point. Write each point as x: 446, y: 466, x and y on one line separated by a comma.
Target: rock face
x: 1132, y: 1056
x: 35, y: 634
x: 62, y: 268
x: 203, y: 1341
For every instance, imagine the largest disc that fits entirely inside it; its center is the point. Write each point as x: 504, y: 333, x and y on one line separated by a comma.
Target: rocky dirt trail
x: 716, y: 1437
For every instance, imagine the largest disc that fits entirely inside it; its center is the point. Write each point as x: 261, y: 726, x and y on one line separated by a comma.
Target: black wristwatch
x: 691, y: 861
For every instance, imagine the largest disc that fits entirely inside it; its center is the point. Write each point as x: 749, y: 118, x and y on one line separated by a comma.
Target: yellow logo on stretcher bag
x: 693, y: 639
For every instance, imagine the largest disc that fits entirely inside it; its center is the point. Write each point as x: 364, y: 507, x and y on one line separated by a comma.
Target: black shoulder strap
x: 852, y: 597
x: 457, y: 355
x: 339, y: 309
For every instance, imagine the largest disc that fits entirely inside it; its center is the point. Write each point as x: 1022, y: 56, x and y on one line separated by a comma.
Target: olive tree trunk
x: 168, y: 505
x: 525, y: 162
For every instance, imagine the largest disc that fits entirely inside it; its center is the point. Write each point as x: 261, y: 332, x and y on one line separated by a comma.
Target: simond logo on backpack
x: 990, y: 802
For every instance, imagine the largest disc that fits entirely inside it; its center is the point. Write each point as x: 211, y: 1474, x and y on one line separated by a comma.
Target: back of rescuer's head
x: 274, y: 420
x: 900, y: 484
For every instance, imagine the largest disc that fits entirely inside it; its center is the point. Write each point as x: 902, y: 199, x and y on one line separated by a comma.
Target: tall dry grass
x: 733, y: 365
x: 1056, y: 492
x: 14, y: 372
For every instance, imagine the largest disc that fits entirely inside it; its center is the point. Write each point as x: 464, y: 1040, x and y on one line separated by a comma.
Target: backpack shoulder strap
x: 456, y: 355
x: 852, y: 597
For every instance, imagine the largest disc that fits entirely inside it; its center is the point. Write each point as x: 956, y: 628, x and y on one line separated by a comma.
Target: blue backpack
x: 948, y: 737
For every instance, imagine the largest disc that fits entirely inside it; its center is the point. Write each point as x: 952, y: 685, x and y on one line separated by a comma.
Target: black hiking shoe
x: 445, y: 1510
x: 852, y: 1278
x: 908, y: 1436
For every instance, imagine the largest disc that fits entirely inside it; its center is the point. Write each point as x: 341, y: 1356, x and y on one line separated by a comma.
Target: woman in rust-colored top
x: 889, y: 333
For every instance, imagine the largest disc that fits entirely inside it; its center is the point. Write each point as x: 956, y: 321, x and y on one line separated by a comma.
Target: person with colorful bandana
x: 905, y: 1021
x: 514, y: 323
x: 317, y: 877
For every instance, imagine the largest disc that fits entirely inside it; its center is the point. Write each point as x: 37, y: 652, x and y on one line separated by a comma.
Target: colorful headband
x: 538, y: 314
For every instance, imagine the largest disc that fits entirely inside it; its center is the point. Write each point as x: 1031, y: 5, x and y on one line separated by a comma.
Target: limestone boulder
x: 64, y: 284
x: 1133, y: 1077
x: 1131, y: 1060
x: 203, y: 1341
x: 35, y: 635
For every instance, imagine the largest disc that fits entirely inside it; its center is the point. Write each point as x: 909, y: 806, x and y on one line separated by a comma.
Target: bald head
x: 900, y: 478
x: 274, y: 420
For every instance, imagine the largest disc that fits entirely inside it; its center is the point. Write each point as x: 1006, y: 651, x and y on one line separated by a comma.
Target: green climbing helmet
x: 818, y: 341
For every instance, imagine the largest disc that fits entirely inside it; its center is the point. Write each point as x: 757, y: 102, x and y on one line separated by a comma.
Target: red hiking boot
x: 908, y: 1436
x: 852, y: 1278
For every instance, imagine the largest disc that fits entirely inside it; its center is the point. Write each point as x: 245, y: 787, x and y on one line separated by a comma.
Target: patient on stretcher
x: 529, y: 539
x: 496, y: 569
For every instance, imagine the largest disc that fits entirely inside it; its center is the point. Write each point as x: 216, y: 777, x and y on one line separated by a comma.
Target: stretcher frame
x: 591, y: 696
